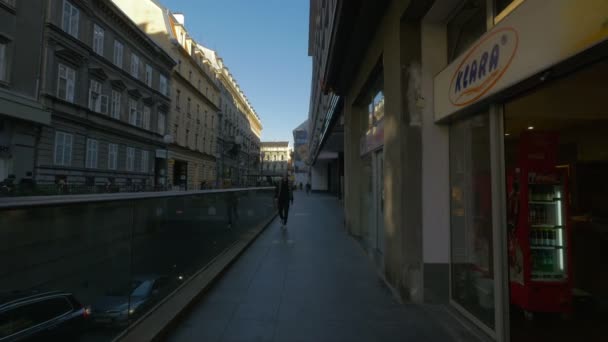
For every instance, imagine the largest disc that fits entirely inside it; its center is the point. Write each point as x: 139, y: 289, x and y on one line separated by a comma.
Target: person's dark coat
x: 283, y: 192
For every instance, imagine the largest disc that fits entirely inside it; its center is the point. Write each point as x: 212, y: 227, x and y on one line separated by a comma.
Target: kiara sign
x: 483, y: 66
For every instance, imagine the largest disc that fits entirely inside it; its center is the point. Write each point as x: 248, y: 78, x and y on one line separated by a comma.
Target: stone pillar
x: 352, y: 167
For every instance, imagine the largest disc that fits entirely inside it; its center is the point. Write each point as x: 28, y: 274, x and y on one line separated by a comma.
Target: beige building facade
x: 195, y: 97
x: 276, y: 158
x: 239, y: 128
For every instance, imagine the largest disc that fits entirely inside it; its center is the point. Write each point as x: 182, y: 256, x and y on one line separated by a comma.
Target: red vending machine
x: 540, y: 268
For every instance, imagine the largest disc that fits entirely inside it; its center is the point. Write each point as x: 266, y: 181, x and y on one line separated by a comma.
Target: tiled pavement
x: 310, y: 282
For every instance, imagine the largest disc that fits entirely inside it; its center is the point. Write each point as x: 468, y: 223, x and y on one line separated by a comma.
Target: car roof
x: 12, y: 297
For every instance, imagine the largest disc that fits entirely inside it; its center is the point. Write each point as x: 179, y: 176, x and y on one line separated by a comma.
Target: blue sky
x: 264, y: 43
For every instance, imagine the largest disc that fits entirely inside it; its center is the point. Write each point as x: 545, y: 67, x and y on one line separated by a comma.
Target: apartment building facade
x: 21, y: 115
x: 107, y: 85
x: 193, y: 116
x: 239, y: 128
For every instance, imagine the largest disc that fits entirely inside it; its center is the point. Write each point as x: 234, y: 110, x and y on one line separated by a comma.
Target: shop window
x: 466, y: 26
x: 372, y: 123
x: 472, y: 279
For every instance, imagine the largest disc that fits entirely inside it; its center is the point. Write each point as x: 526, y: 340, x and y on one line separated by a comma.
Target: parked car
x: 43, y: 316
x: 119, y: 305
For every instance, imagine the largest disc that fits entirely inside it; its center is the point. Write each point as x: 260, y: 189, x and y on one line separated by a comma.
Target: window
x: 177, y: 97
x: 115, y: 108
x: 63, y: 148
x: 134, y: 65
x: 179, y: 65
x: 144, y: 161
x: 188, y: 107
x: 112, y: 156
x: 163, y: 85
x: 97, y: 102
x: 118, y: 49
x: 98, y: 39
x: 3, y: 62
x: 66, y: 81
x: 133, y: 112
x: 199, y: 85
x: 70, y: 19
x: 139, y: 117
x: 190, y: 76
x: 196, y: 141
x: 162, y: 117
x: 91, y: 157
x: 130, y: 159
x: 149, y: 75
x: 471, y: 216
x: 23, y: 319
x: 146, y: 119
x: 187, y: 137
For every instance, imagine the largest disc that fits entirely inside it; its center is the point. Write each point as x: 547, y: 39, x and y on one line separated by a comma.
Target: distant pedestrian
x: 283, y: 197
x: 308, y: 188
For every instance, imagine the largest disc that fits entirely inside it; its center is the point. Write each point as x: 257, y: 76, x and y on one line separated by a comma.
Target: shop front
x: 526, y: 106
x: 372, y: 157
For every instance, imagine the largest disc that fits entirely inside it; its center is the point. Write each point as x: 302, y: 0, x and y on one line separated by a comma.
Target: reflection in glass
x: 111, y: 262
x: 472, y: 278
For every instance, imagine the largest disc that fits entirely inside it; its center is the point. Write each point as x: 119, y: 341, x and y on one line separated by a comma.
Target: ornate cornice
x: 98, y: 73
x: 118, y: 84
x: 135, y: 93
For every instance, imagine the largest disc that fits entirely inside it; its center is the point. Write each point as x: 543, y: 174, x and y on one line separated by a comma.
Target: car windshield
x: 143, y: 290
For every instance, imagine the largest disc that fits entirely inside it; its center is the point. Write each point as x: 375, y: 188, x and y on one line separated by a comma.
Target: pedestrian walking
x: 283, y: 197
x: 308, y: 188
